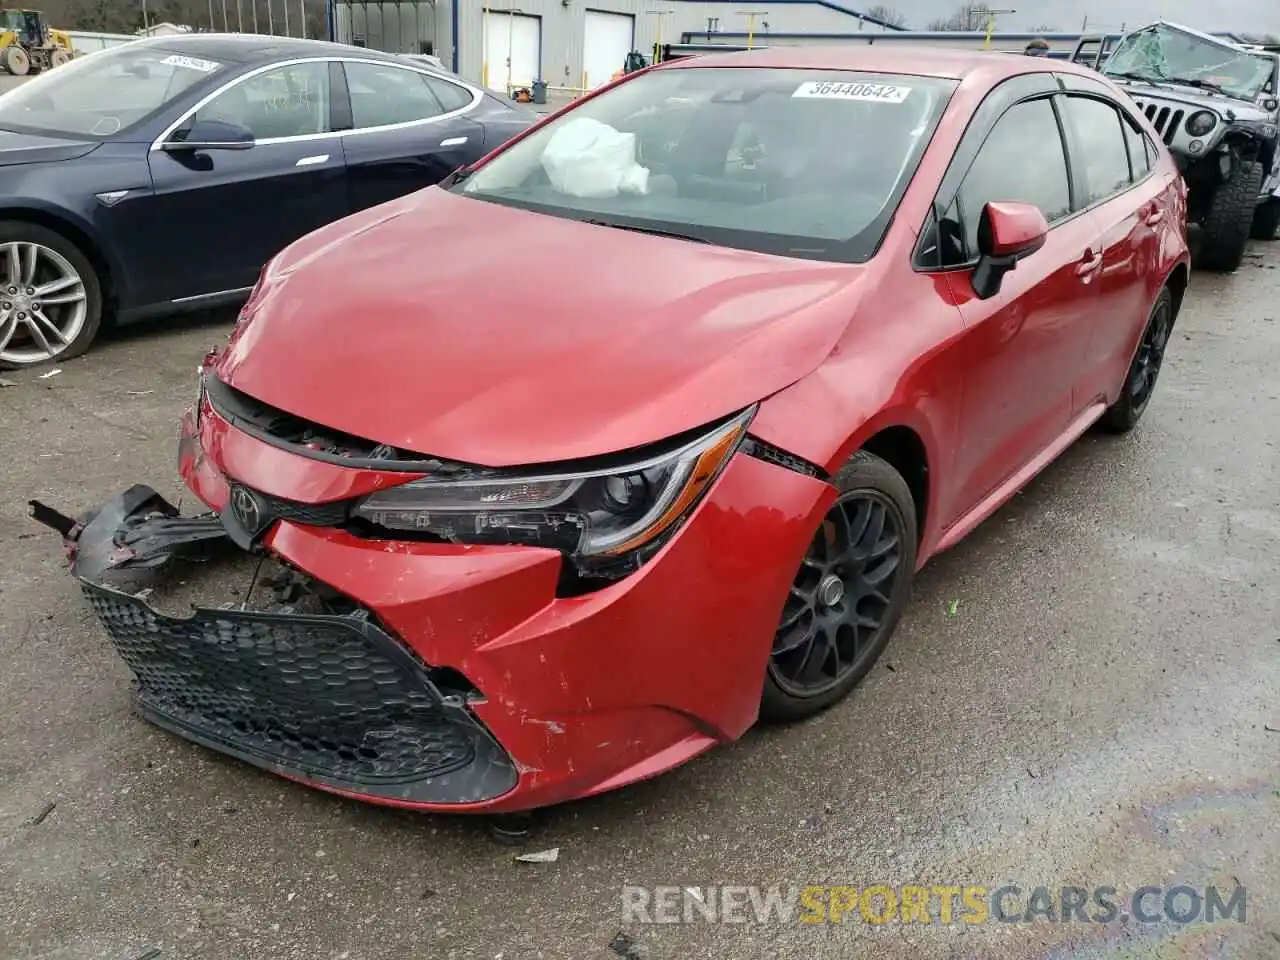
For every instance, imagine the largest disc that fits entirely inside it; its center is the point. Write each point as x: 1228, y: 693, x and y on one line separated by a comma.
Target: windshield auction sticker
x: 191, y: 63
x: 873, y: 92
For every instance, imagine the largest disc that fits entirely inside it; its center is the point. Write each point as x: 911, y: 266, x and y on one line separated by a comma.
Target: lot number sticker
x: 191, y: 63
x: 874, y: 92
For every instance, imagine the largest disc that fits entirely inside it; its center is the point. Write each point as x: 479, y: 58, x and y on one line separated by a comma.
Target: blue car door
x: 217, y: 215
x: 408, y: 130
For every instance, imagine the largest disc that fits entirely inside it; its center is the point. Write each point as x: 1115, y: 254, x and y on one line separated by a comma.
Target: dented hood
x: 471, y: 331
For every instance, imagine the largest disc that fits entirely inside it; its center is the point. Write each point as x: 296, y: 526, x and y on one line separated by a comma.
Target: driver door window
x: 289, y: 101
x: 1023, y: 159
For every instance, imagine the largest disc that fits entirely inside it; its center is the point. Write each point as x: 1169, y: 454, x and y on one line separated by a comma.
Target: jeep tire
x: 1266, y: 220
x: 1226, y: 229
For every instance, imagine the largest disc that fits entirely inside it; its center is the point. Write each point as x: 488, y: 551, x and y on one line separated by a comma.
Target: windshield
x: 12, y: 20
x: 1162, y: 52
x: 800, y: 163
x: 104, y: 93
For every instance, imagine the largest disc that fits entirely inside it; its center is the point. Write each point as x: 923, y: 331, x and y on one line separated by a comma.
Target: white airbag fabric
x: 587, y: 158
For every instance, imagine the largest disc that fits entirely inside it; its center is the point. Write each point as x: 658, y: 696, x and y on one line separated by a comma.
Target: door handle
x: 1089, y: 263
x: 312, y: 161
x: 1154, y: 217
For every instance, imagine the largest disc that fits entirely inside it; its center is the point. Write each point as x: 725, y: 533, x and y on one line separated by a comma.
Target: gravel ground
x: 1084, y: 693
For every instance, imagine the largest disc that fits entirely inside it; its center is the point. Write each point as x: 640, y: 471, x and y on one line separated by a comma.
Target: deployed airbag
x: 587, y: 158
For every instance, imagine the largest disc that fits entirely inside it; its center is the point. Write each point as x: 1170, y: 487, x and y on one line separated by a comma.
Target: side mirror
x: 1007, y: 232
x: 212, y: 135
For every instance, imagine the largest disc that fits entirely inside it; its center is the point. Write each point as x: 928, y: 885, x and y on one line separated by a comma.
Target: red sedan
x: 557, y: 475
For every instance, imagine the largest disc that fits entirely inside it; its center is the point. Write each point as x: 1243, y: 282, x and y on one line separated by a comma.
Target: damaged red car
x: 548, y: 479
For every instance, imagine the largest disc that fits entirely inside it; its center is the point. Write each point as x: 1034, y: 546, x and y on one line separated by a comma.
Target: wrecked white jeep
x: 1216, y: 105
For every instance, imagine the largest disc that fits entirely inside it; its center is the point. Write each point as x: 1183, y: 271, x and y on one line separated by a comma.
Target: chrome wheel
x: 43, y: 303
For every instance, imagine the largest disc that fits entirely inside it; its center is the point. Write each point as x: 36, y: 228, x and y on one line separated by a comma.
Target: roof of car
x: 916, y: 61
x: 252, y: 48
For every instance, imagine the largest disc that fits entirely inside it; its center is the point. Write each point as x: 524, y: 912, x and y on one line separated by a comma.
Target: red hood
x: 476, y: 332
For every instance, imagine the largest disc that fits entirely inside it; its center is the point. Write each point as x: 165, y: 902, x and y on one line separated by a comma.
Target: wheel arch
x: 904, y: 450
x: 908, y: 428
x: 109, y: 274
x: 1177, y: 280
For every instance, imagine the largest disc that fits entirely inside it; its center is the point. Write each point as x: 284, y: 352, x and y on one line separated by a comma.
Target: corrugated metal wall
x: 563, y: 26
x: 394, y: 27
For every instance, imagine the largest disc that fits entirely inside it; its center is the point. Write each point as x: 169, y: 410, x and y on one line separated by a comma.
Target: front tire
x: 16, y: 61
x: 1226, y: 229
x: 50, y: 297
x: 848, y: 594
x: 1140, y: 382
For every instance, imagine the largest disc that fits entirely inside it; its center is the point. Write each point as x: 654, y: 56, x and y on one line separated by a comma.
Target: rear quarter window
x: 451, y: 95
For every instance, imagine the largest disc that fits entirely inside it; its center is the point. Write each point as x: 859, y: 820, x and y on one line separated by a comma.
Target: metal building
x: 574, y: 44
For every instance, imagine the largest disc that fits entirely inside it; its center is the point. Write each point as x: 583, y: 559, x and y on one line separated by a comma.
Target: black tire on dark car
x: 1226, y: 229
x: 86, y: 328
x: 1140, y: 381
x: 848, y: 594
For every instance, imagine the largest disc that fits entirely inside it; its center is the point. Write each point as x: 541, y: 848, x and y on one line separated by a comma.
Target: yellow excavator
x: 28, y: 44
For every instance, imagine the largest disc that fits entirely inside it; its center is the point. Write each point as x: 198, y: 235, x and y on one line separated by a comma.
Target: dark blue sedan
x: 161, y: 175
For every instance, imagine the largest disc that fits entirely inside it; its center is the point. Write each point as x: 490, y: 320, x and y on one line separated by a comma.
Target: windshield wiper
x: 655, y: 231
x: 1201, y: 84
x: 1141, y: 78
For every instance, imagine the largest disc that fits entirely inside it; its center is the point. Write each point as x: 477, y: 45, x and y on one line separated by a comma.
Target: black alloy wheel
x: 1140, y: 384
x: 848, y: 594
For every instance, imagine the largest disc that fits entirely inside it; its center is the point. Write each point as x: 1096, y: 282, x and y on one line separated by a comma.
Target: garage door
x: 608, y: 38
x: 513, y: 49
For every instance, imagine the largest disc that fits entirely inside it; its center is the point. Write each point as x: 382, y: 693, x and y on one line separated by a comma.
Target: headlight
x: 590, y: 513
x: 1201, y: 122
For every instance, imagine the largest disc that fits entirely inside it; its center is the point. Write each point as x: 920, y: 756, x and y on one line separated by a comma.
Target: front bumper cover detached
x: 330, y: 699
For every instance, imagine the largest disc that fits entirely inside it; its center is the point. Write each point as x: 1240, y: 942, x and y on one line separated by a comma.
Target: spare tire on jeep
x: 1226, y: 229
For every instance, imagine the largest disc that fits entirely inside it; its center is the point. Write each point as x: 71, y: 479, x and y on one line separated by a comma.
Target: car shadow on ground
x: 154, y: 327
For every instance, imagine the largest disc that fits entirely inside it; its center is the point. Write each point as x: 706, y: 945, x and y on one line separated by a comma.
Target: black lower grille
x: 330, y: 698
x: 331, y: 514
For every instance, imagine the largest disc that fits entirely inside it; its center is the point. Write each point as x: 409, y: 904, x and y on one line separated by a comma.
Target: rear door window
x: 1100, y: 151
x: 384, y: 94
x: 1140, y: 151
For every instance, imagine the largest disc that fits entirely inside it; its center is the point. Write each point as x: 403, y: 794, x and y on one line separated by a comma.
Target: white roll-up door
x: 607, y: 39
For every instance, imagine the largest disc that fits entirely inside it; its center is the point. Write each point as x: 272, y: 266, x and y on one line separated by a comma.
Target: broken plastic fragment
x: 542, y: 856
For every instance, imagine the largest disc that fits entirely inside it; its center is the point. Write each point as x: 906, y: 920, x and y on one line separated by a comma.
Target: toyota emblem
x: 244, y: 506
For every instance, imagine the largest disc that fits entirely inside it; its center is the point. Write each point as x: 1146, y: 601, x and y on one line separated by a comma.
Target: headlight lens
x: 1201, y: 122
x: 593, y: 513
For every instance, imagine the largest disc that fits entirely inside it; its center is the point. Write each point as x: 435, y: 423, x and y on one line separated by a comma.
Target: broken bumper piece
x: 327, y: 696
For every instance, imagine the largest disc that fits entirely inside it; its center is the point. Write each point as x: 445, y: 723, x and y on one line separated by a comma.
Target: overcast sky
x: 1209, y: 15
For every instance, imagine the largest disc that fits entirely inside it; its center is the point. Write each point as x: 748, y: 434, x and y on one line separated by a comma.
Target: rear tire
x: 1140, y: 382
x: 848, y: 594
x: 1226, y: 229
x: 1266, y: 220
